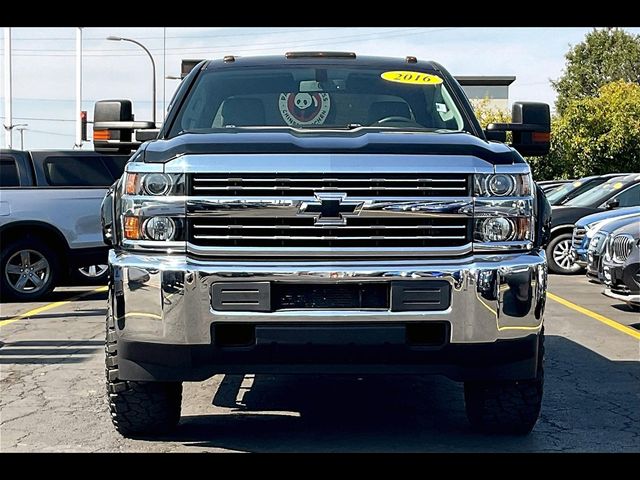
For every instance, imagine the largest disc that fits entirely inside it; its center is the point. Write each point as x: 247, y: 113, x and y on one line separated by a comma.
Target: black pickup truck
x: 50, y: 230
x: 321, y: 212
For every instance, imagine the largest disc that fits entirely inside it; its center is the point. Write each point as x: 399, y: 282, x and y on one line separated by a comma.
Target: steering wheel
x: 395, y: 118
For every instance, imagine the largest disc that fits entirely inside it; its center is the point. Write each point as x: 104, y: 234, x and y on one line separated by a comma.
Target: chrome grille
x: 578, y: 236
x: 329, y: 214
x: 307, y: 184
x: 367, y: 231
x: 621, y: 246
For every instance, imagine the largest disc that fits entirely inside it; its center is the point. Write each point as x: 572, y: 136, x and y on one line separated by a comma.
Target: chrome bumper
x: 166, y: 299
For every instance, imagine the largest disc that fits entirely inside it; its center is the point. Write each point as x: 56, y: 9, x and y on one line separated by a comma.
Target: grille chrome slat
x: 325, y: 237
x: 325, y: 189
x: 306, y: 227
x: 319, y: 181
x: 396, y: 185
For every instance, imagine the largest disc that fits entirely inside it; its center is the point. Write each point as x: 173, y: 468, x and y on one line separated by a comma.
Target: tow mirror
x: 531, y: 127
x: 113, y: 127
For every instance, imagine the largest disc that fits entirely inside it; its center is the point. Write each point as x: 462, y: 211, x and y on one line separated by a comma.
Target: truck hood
x: 357, y: 141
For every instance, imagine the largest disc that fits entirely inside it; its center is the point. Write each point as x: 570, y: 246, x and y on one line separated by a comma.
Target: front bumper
x: 165, y: 323
x: 622, y: 281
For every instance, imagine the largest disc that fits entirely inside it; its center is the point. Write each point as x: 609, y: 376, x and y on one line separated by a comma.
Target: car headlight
x: 154, y: 184
x: 502, y: 185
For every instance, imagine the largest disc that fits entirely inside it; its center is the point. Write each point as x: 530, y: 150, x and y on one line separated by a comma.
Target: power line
x: 241, y: 47
x: 35, y: 119
x: 193, y: 36
x: 51, y: 133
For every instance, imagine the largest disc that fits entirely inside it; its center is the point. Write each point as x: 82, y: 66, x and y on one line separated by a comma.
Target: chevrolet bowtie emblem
x: 330, y: 209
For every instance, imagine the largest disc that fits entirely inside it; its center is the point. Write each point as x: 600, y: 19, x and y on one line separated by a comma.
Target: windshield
x: 570, y: 190
x: 597, y: 194
x: 562, y: 190
x: 307, y: 97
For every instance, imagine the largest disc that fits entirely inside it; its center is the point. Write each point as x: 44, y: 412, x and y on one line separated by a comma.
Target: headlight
x: 502, y: 185
x: 154, y: 184
x: 502, y: 229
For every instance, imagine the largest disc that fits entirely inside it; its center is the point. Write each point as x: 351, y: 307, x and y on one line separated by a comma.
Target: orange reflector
x: 540, y: 136
x: 131, y: 186
x: 132, y: 228
x: 102, y: 135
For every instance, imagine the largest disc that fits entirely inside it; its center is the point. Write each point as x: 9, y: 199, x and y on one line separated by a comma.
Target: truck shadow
x: 413, y: 413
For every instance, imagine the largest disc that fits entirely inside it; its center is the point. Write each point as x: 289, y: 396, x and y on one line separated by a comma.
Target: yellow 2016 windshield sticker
x: 617, y: 185
x: 412, y: 78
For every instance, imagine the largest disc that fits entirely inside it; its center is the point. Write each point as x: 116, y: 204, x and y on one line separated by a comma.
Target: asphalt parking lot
x: 52, y: 391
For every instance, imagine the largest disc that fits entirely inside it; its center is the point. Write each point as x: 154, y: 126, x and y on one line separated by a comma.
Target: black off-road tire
x: 7, y: 292
x: 510, y: 407
x: 138, y: 408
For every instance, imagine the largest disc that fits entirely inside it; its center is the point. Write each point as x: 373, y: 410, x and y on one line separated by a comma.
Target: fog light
x: 497, y: 229
x: 156, y: 184
x: 160, y: 228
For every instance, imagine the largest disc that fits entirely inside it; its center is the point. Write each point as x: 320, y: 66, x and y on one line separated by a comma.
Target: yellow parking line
x: 596, y: 316
x: 49, y: 306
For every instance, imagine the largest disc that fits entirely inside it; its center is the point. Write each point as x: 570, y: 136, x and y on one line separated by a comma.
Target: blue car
x: 585, y: 228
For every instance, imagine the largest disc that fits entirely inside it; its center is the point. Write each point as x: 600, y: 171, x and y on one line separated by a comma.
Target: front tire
x: 28, y: 270
x: 559, y: 256
x: 138, y: 408
x: 508, y: 407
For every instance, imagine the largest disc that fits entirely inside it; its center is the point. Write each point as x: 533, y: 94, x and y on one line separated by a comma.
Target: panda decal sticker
x: 304, y: 108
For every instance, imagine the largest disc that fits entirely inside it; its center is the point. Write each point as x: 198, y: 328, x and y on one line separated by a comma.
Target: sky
x: 44, y: 63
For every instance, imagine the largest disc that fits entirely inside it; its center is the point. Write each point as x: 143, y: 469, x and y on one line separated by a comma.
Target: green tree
x: 486, y: 113
x: 605, y: 55
x: 599, y: 134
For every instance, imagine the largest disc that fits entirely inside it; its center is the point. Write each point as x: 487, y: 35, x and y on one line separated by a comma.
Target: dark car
x: 623, y: 191
x: 598, y: 244
x: 565, y: 192
x: 621, y: 264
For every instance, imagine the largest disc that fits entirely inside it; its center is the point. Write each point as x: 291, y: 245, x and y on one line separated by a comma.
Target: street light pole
x: 78, y: 134
x: 153, y: 65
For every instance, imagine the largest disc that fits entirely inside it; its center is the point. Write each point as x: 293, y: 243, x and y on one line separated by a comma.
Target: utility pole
x: 8, y: 98
x: 78, y: 109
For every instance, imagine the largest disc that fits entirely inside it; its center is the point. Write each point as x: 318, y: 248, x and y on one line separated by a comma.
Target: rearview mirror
x: 531, y: 127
